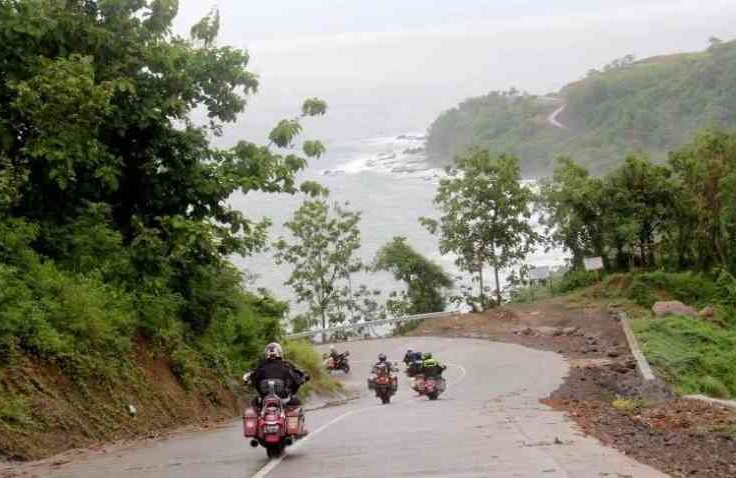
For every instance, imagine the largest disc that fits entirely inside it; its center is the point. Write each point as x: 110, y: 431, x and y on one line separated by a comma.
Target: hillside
x: 652, y: 105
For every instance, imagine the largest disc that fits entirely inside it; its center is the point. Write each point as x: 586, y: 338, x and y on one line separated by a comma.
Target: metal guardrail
x: 372, y: 323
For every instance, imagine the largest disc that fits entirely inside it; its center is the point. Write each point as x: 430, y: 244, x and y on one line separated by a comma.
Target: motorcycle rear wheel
x: 346, y: 368
x: 432, y: 396
x: 275, y: 451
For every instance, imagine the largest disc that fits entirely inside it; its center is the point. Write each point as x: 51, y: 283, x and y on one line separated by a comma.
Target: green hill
x: 651, y: 105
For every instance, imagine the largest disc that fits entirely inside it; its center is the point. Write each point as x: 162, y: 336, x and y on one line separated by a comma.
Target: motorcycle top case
x: 250, y: 423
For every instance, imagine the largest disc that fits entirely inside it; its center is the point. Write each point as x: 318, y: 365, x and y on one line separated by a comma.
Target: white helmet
x: 332, y: 348
x: 274, y: 351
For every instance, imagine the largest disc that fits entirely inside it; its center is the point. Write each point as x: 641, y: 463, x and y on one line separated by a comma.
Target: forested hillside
x: 652, y: 105
x: 115, y: 231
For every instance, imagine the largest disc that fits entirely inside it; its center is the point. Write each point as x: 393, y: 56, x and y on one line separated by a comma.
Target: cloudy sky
x: 389, y: 66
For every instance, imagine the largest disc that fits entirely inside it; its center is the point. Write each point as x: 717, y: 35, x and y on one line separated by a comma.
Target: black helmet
x: 381, y: 357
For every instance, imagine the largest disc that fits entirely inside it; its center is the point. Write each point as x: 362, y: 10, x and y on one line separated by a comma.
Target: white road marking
x: 269, y: 467
x: 275, y: 462
x: 463, y: 373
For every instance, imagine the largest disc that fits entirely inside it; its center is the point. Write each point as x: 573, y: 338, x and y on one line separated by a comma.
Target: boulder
x: 707, y: 313
x: 673, y: 307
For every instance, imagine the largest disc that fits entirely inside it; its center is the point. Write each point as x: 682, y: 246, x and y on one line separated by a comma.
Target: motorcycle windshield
x: 279, y: 387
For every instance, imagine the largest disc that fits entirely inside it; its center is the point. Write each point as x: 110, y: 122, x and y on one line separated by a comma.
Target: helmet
x: 427, y: 356
x: 274, y: 351
x: 409, y: 351
x: 332, y: 348
x: 381, y: 357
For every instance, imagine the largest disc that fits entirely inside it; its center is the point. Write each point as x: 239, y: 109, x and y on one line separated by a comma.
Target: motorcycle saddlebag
x: 293, y: 419
x: 250, y: 423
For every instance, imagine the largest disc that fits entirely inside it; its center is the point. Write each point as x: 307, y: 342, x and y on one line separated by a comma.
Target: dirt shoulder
x: 604, y: 393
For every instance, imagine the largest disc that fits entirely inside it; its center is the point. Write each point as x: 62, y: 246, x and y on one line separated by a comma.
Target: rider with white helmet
x: 273, y: 367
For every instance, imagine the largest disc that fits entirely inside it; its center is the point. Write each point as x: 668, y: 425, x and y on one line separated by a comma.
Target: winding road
x: 489, y: 423
x: 552, y: 118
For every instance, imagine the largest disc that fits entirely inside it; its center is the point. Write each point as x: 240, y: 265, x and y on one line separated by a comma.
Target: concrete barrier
x: 641, y: 361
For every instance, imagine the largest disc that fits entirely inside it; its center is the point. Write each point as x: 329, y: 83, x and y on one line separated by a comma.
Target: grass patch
x: 697, y: 356
x: 304, y: 355
x: 15, y: 411
x: 628, y: 405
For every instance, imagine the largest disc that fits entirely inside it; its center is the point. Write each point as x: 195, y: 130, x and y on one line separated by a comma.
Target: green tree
x: 485, y: 215
x: 425, y: 281
x: 573, y: 205
x: 321, y: 250
x: 100, y: 156
x: 639, y: 198
x: 705, y: 169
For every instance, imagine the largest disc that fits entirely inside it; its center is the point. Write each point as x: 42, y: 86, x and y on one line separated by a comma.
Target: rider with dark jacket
x: 382, y: 366
x: 273, y: 367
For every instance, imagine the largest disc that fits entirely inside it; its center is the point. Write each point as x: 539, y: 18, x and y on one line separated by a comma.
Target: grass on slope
x: 695, y: 355
x: 309, y: 359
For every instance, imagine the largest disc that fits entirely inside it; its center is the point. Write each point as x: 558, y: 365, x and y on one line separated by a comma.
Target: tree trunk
x: 481, y: 296
x: 324, y: 322
x: 498, y: 285
x: 495, y: 273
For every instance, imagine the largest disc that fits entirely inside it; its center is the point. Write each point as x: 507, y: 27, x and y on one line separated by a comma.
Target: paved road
x: 552, y: 118
x: 488, y: 423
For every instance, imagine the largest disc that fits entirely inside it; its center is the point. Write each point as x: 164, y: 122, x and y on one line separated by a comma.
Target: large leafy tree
x: 485, y: 215
x: 705, y: 170
x: 322, y: 251
x: 574, y: 211
x: 425, y: 281
x: 96, y: 107
x: 639, y: 197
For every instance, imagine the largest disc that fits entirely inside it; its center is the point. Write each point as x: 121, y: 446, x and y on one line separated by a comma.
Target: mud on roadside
x: 604, y: 393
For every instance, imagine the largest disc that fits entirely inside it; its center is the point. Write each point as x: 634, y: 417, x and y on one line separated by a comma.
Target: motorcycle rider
x: 431, y: 367
x: 382, y: 366
x: 408, y: 356
x: 274, y: 367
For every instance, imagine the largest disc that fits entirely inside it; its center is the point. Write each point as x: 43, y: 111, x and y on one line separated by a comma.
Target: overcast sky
x: 389, y: 66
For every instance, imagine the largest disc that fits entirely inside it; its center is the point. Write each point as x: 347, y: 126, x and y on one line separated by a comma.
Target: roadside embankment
x: 604, y: 393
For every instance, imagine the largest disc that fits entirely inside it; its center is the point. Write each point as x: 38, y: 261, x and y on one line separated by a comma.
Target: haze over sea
x: 387, y: 69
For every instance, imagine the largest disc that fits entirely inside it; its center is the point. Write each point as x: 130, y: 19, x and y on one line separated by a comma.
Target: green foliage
x: 15, y: 411
x: 308, y: 359
x: 115, y: 225
x: 424, y: 280
x: 651, y: 105
x: 640, y: 215
x: 485, y: 215
x: 697, y: 290
x: 697, y: 355
x: 324, y: 241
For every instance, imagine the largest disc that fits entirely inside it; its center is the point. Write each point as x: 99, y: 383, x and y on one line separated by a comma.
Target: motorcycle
x: 276, y: 426
x: 431, y: 387
x: 384, y: 384
x: 340, y: 364
x: 413, y: 368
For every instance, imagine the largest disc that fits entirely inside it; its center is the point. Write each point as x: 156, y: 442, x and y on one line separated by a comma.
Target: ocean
x: 390, y: 181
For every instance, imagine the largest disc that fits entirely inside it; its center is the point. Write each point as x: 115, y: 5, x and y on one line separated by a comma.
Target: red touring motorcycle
x: 277, y: 425
x: 341, y: 363
x: 430, y: 386
x: 384, y: 383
